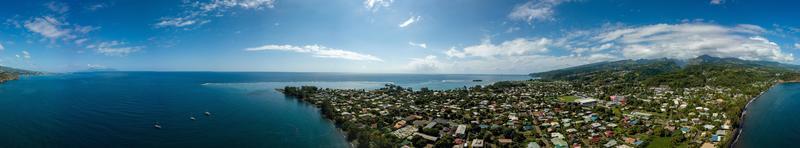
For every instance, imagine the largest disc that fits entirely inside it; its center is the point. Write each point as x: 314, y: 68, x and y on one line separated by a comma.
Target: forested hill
x: 700, y: 71
x: 7, y: 73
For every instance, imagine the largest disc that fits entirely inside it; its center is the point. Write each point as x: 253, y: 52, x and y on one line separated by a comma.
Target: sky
x: 387, y: 36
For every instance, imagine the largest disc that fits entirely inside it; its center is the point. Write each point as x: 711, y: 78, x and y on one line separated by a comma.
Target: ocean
x: 119, y: 109
x: 772, y: 120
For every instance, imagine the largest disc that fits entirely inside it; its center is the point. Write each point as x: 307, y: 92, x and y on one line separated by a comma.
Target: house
x: 610, y: 143
x: 586, y: 101
x: 722, y: 132
x: 533, y: 145
x: 404, y: 132
x: 505, y: 141
x: 629, y: 140
x: 620, y: 100
x: 609, y: 133
x: 477, y: 143
x: 430, y: 125
x: 460, y: 130
x: 426, y: 136
x: 558, y: 143
x: 400, y: 124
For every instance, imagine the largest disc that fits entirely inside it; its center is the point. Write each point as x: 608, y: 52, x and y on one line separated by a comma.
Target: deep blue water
x: 117, y: 109
x: 774, y: 119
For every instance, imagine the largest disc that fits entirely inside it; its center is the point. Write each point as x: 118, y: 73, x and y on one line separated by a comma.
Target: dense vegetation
x: 696, y: 72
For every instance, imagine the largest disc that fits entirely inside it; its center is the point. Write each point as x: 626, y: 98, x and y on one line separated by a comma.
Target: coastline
x: 339, y: 130
x: 738, y: 130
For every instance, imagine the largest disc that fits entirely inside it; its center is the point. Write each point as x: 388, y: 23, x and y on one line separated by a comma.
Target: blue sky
x: 387, y: 36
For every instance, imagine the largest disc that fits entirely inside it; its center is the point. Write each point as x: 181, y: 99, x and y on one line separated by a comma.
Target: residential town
x: 534, y: 113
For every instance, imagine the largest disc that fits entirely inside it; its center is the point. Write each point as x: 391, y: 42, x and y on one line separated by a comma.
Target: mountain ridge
x: 699, y: 71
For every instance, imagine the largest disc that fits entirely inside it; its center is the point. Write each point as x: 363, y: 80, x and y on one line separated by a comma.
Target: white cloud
x: 114, y: 48
x: 53, y: 28
x: 47, y: 26
x: 428, y: 64
x: 749, y: 28
x: 797, y: 45
x: 717, y: 2
x: 521, y: 64
x: 602, y: 47
x: 512, y: 29
x: 420, y: 45
x: 535, y: 10
x: 519, y: 46
x: 1, y: 47
x: 246, y: 4
x: 25, y: 54
x: 409, y: 21
x: 81, y: 41
x: 96, y: 7
x: 692, y: 40
x: 374, y: 5
x: 319, y: 51
x: 179, y: 22
x: 199, y: 13
x: 57, y: 7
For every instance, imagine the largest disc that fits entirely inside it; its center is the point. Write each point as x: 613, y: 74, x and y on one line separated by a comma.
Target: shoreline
x: 740, y: 128
x: 339, y: 130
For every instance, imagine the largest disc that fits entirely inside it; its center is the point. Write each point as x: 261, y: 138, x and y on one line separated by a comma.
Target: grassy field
x: 665, y: 142
x: 568, y: 98
x: 660, y: 142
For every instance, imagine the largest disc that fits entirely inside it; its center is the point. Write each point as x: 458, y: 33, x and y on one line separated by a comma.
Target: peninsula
x: 629, y: 103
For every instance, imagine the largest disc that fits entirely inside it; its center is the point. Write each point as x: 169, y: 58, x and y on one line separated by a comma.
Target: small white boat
x: 157, y: 125
x: 207, y: 113
x: 192, y: 118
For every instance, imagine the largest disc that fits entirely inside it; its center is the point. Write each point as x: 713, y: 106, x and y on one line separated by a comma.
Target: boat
x: 207, y: 113
x: 157, y: 125
x: 192, y: 118
x: 477, y: 80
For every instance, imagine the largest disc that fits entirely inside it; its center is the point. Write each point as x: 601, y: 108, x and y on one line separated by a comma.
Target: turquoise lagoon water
x: 118, y: 109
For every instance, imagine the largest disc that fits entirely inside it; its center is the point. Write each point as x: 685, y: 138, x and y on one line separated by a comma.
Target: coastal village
x: 534, y: 114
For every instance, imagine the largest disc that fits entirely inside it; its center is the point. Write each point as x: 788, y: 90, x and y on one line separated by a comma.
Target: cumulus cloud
x: 409, y: 21
x: 199, y: 13
x: 535, y: 10
x: 374, y: 5
x: 717, y: 2
x: 428, y: 64
x: 319, y: 51
x: 692, y: 40
x: 114, y: 48
x: 420, y: 45
x: 519, y: 46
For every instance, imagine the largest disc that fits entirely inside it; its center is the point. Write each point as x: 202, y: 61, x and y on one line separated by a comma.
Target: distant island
x: 630, y: 103
x: 7, y: 73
